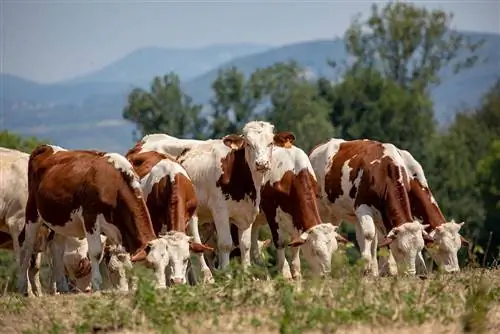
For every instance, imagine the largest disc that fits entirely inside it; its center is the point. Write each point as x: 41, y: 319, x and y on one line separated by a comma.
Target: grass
x: 346, y: 302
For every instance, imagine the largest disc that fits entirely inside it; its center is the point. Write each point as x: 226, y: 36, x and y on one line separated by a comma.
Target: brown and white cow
x: 81, y: 193
x: 367, y: 183
x: 445, y: 235
x: 171, y: 201
x: 227, y: 174
x: 289, y: 206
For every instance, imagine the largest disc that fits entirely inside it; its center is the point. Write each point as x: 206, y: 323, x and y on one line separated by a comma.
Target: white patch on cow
x: 164, y: 168
x: 72, y: 228
x: 170, y: 253
x: 165, y: 144
x: 123, y: 165
x: 56, y: 149
x: 414, y: 168
x: 320, y: 243
x: 447, y: 242
x: 283, y: 160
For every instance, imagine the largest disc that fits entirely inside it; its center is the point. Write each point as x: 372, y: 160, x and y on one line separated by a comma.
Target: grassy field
x: 344, y: 303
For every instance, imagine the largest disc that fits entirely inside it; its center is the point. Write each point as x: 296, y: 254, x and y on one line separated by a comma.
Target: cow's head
x: 172, y: 252
x: 318, y: 243
x: 446, y: 243
x: 406, y: 241
x: 118, y: 263
x: 258, y: 136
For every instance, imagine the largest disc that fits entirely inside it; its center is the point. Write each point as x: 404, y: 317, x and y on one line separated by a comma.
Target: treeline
x: 395, y: 57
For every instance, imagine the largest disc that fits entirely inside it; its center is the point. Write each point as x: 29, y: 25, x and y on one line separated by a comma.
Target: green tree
x: 295, y: 105
x: 165, y: 108
x: 409, y: 44
x: 235, y: 100
x: 488, y: 171
x: 17, y: 142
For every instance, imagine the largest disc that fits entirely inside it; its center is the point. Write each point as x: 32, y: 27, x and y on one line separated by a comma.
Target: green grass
x: 465, y: 302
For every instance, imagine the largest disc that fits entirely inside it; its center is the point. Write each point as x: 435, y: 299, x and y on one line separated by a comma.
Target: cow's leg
x: 15, y: 224
x: 420, y: 264
x: 254, y: 246
x: 245, y: 244
x: 25, y: 257
x: 388, y: 265
x: 93, y: 234
x: 365, y: 235
x: 56, y: 249
x: 279, y: 243
x: 224, y: 239
x: 195, y: 233
x: 34, y: 272
x: 296, y: 272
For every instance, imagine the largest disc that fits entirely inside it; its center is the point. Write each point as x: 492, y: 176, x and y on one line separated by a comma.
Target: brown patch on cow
x: 144, y: 162
x: 422, y: 206
x: 296, y: 195
x: 61, y: 183
x: 379, y: 186
x: 236, y: 179
x: 284, y: 139
x: 136, y: 149
x: 234, y: 142
x: 84, y: 268
x: 5, y: 240
x: 172, y: 204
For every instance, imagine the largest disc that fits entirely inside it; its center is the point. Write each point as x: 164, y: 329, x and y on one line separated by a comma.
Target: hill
x: 87, y: 111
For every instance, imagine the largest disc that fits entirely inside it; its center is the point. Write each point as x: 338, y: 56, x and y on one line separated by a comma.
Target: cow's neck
x: 424, y: 206
x: 396, y: 206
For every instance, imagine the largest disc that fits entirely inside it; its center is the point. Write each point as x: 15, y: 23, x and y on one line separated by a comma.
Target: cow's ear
x: 284, y: 139
x: 233, y: 141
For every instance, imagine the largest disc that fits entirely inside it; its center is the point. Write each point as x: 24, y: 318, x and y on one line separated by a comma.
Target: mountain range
x: 86, y: 111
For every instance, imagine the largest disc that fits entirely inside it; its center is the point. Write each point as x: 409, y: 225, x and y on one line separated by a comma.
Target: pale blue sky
x: 48, y: 41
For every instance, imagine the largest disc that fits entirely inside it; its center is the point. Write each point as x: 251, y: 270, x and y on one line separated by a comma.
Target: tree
x: 235, y: 100
x: 367, y: 105
x: 14, y: 141
x: 295, y: 105
x: 488, y: 170
x: 165, y: 108
x: 409, y: 44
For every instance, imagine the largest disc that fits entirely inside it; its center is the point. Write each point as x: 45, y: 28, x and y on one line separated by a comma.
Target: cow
x: 366, y: 183
x: 171, y: 201
x: 13, y: 198
x: 288, y: 205
x: 445, y: 235
x: 80, y: 193
x: 227, y: 174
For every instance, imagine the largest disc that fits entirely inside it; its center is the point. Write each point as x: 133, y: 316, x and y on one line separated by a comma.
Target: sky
x: 53, y: 40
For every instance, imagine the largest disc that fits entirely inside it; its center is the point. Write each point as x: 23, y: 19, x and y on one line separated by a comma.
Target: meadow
x: 346, y: 302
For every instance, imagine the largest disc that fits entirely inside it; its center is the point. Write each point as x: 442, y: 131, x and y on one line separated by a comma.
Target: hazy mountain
x: 140, y: 66
x: 87, y: 111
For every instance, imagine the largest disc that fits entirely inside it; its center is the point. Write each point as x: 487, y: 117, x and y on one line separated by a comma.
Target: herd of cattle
x: 91, y: 211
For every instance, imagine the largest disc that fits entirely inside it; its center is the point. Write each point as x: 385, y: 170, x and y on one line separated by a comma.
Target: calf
x: 227, y: 174
x: 171, y: 201
x: 366, y: 183
x: 81, y: 193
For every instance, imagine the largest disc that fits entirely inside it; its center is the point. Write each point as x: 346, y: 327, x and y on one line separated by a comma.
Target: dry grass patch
x: 469, y: 301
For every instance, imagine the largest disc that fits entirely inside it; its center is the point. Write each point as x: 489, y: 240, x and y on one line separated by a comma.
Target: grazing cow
x: 171, y: 201
x: 366, y: 183
x: 289, y: 206
x: 445, y: 235
x: 81, y: 193
x: 13, y: 197
x: 227, y: 174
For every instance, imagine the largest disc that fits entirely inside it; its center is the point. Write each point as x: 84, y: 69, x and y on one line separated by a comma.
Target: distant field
x: 345, y: 303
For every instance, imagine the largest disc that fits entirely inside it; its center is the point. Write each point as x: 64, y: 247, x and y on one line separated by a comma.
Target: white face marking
x: 163, y: 168
x: 407, y: 242
x: 118, y: 265
x: 447, y: 242
x: 171, y: 251
x: 123, y: 165
x: 259, y: 138
x: 320, y: 243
